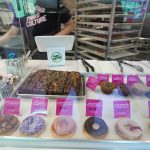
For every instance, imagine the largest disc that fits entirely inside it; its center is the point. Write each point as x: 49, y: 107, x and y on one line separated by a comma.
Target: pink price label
x: 12, y: 106
x: 103, y: 77
x: 132, y: 79
x: 122, y: 109
x: 94, y: 107
x: 64, y: 106
x: 39, y: 106
x: 117, y: 79
x: 92, y: 83
x: 148, y: 80
x: 149, y: 109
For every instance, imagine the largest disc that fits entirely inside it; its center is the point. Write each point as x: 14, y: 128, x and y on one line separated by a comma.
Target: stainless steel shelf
x: 98, y: 22
x: 121, y: 54
x: 85, y: 55
x: 89, y: 1
x: 93, y: 23
x: 92, y: 30
x: 126, y: 46
x: 95, y: 8
x: 127, y: 24
x: 92, y: 44
x: 95, y: 52
x: 124, y: 32
x: 124, y: 39
x: 92, y: 37
x: 95, y: 16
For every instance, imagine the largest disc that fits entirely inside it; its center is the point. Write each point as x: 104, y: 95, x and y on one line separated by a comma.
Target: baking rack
x: 109, y: 28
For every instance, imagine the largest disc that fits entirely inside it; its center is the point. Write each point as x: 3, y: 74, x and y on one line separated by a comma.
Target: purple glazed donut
x: 32, y: 125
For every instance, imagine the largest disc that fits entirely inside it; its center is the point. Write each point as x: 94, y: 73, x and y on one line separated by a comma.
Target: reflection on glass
x: 37, y: 18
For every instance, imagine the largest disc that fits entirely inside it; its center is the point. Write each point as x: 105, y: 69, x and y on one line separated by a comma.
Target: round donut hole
x: 95, y: 126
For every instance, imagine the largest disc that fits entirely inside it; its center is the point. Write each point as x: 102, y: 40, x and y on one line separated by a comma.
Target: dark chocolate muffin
x: 107, y: 87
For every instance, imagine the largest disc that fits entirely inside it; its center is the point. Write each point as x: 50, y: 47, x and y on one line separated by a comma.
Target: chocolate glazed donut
x: 8, y: 124
x: 101, y: 131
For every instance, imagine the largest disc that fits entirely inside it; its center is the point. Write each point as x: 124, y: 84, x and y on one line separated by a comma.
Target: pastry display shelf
x: 102, y: 21
x: 79, y: 142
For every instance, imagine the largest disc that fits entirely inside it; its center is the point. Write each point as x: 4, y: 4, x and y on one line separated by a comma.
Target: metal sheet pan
x: 81, y: 96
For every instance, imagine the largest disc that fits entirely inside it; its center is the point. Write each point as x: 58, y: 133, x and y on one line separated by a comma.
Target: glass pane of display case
x: 85, y: 104
x: 12, y: 44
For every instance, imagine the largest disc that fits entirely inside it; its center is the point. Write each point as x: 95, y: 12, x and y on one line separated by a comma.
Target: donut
x: 64, y: 126
x: 139, y: 89
x: 100, y: 131
x: 32, y: 125
x: 8, y: 124
x: 128, y: 129
x: 107, y: 87
x: 123, y: 90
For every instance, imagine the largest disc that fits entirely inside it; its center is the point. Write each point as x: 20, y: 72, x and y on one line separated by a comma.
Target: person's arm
x: 13, y: 31
x: 69, y: 26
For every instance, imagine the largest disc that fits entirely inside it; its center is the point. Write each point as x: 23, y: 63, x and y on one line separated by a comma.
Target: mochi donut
x: 128, y: 129
x: 64, y: 126
x: 100, y: 130
x: 32, y: 125
x: 8, y: 124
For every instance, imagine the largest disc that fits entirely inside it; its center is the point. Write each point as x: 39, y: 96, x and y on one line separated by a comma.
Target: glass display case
x: 86, y: 114
x: 86, y: 104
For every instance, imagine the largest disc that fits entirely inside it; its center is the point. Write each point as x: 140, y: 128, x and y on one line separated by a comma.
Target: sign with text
x: 132, y: 79
x: 56, y: 56
x: 103, y: 77
x: 94, y: 107
x: 12, y: 106
x: 117, y: 79
x: 39, y: 106
x: 64, y: 106
x: 122, y: 109
x: 92, y: 83
x: 148, y: 80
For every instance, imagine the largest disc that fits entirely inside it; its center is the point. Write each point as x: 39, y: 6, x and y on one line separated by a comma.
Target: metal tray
x: 81, y: 96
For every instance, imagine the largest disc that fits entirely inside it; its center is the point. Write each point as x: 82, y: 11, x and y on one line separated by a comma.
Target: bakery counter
x: 78, y: 111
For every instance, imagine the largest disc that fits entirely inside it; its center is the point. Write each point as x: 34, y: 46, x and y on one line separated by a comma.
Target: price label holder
x: 92, y: 83
x: 122, y: 109
x: 12, y: 106
x: 117, y: 79
x: 64, y: 106
x: 132, y: 79
x: 149, y: 109
x: 94, y: 107
x: 148, y: 80
x: 39, y: 106
x: 103, y: 77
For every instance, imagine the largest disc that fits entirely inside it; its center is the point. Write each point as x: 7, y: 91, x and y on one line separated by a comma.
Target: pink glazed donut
x: 128, y: 129
x: 64, y: 125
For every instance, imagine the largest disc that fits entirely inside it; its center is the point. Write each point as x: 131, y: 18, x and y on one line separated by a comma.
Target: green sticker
x: 56, y: 57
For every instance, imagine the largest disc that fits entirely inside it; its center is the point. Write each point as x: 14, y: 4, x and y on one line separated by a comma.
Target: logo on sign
x: 56, y: 57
